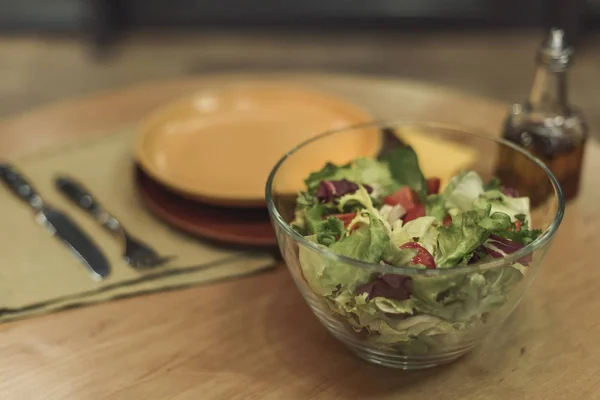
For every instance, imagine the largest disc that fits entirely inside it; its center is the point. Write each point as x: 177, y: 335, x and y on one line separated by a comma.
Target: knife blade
x: 57, y: 223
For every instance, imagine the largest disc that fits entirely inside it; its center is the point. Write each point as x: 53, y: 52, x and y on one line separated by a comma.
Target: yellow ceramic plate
x: 444, y: 159
x: 219, y: 146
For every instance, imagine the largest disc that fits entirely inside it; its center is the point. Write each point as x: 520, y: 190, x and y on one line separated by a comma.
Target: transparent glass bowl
x: 441, y: 150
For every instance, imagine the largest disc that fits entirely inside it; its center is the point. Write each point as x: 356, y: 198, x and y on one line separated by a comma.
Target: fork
x: 135, y: 253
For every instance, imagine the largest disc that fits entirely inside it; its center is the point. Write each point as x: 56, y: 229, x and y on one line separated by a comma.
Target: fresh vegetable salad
x: 385, y: 211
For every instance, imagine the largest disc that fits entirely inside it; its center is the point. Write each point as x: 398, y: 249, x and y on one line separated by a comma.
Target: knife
x: 57, y: 223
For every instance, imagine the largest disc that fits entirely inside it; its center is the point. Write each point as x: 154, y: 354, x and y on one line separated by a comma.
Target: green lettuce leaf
x: 407, y: 332
x: 499, y: 202
x: 458, y: 241
x: 494, y: 293
x: 462, y: 190
x: 359, y: 311
x: 328, y: 172
x: 394, y: 255
x: 315, y: 269
x: 423, y: 230
x: 392, y: 306
x: 374, y: 317
x: 435, y: 206
x: 309, y: 213
x: 375, y: 174
x: 502, y: 280
x: 457, y: 303
x: 497, y: 222
x: 361, y: 199
x: 361, y: 217
x: 326, y: 276
x: 313, y: 217
x: 391, y: 214
x: 330, y: 231
x: 403, y: 164
x: 367, y: 314
x: 524, y: 235
x: 493, y: 184
x: 389, y: 252
x: 367, y: 243
x: 327, y: 229
x: 430, y: 289
x: 305, y: 200
x: 361, y: 171
x: 299, y: 224
x: 465, y: 297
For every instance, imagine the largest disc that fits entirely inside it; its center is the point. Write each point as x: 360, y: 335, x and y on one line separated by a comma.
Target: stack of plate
x: 202, y: 162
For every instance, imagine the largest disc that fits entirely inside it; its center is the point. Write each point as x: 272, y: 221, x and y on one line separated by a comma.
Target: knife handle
x: 77, y: 193
x: 17, y: 183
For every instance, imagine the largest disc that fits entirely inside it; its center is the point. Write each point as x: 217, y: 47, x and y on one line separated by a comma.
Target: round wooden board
x: 256, y: 337
x: 235, y: 226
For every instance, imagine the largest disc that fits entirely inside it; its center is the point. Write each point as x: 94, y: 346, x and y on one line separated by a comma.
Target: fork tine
x: 153, y: 261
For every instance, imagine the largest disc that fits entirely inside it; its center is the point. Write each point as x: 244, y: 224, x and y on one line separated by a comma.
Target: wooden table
x: 255, y: 338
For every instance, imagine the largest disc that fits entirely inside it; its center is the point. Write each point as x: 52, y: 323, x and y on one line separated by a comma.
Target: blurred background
x: 52, y: 50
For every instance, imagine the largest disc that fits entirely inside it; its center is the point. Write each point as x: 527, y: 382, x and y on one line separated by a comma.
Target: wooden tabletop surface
x: 255, y: 338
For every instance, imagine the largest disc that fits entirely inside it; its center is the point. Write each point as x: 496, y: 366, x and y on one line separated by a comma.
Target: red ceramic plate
x: 225, y: 225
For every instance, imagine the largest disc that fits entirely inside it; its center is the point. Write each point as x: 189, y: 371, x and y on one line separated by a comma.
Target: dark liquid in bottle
x: 562, y: 155
x: 548, y: 127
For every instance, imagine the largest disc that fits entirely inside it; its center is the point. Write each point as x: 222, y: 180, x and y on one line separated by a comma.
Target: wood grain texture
x: 256, y: 339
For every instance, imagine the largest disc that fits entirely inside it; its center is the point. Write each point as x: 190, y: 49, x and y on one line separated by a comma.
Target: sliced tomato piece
x: 423, y: 257
x: 447, y: 220
x: 517, y: 226
x: 346, y: 218
x: 405, y: 197
x: 414, y: 213
x: 433, y: 185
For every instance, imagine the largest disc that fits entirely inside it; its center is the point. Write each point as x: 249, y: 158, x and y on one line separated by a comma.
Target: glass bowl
x: 417, y: 341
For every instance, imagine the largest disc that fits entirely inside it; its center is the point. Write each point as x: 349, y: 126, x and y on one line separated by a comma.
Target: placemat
x: 39, y: 274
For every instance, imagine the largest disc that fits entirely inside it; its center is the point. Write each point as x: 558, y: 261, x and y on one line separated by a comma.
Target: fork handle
x: 77, y: 193
x: 19, y: 185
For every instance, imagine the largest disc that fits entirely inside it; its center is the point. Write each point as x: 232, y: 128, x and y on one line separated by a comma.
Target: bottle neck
x: 549, y: 92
